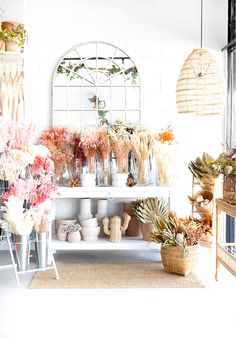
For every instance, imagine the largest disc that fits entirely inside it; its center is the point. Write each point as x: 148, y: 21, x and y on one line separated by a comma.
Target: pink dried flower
x: 42, y: 165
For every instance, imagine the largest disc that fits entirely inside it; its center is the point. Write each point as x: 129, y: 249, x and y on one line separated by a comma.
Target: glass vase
x: 144, y: 172
x: 61, y: 175
x: 103, y: 172
x: 74, y: 169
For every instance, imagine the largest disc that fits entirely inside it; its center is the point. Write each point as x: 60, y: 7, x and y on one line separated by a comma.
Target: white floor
x: 119, y: 313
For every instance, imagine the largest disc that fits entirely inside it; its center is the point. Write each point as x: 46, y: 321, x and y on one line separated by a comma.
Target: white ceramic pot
x: 90, y: 233
x: 119, y: 179
x: 60, y: 227
x: 88, y: 179
x: 85, y: 206
x: 82, y: 217
x: 92, y: 222
x: 74, y: 236
x: 102, y: 206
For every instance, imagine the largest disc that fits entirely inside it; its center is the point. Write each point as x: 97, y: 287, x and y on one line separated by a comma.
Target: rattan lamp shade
x: 200, y: 87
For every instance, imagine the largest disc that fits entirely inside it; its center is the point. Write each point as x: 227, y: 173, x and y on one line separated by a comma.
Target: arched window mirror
x: 94, y: 83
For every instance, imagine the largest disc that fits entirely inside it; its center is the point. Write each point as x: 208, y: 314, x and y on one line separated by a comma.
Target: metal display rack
x: 17, y: 262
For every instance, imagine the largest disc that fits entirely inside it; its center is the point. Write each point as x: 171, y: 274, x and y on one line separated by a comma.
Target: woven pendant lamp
x: 200, y: 86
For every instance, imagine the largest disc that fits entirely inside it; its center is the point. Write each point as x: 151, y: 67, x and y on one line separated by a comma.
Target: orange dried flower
x: 166, y: 136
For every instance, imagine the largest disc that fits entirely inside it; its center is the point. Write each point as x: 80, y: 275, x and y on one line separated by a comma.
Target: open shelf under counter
x: 127, y: 243
x: 111, y: 192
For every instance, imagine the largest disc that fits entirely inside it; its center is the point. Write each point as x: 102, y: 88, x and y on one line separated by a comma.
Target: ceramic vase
x: 119, y: 179
x: 146, y: 229
x: 84, y: 209
x: 90, y: 233
x: 102, y: 212
x: 134, y: 229
x: 88, y: 180
x: 61, y: 226
x: 74, y: 236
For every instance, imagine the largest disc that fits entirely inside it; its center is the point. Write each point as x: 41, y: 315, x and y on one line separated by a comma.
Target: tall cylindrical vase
x: 22, y: 251
x: 41, y: 249
x: 85, y: 209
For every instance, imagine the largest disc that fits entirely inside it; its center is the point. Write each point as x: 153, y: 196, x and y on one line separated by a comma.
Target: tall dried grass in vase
x: 121, y: 147
x: 165, y: 154
x: 142, y: 145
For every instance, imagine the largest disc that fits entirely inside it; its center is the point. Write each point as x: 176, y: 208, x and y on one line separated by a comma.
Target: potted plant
x: 14, y: 38
x: 225, y: 164
x: 179, y: 238
x: 204, y: 170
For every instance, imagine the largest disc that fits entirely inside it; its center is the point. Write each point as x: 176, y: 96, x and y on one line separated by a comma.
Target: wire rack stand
x: 15, y: 259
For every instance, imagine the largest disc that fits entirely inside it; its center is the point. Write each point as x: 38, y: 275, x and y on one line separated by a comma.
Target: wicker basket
x: 203, y: 211
x: 229, y: 189
x: 176, y: 261
x: 200, y: 87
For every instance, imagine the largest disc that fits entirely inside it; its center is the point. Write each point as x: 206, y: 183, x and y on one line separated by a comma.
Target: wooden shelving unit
x: 225, y: 252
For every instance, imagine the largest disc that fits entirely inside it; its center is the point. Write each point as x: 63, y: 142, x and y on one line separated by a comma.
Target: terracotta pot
x: 128, y: 207
x: 2, y: 45
x: 74, y: 236
x: 134, y: 229
x: 12, y: 46
x: 145, y: 229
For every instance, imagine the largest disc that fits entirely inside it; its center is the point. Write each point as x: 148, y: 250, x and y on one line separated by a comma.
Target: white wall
x: 157, y: 34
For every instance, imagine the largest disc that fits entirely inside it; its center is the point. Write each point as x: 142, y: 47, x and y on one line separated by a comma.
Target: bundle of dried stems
x: 142, y: 145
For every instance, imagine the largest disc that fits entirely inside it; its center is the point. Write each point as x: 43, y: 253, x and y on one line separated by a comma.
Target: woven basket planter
x: 229, y: 189
x: 200, y: 87
x: 176, y: 261
x: 203, y: 211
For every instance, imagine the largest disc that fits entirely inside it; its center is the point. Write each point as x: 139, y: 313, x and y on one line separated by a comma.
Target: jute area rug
x: 113, y: 275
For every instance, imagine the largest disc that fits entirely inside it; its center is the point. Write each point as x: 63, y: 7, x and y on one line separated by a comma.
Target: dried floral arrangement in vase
x: 104, y: 151
x: 31, y: 183
x: 120, y: 143
x: 142, y: 146
x: 78, y: 161
x: 89, y: 141
x: 166, y: 155
x: 205, y: 171
x: 58, y: 141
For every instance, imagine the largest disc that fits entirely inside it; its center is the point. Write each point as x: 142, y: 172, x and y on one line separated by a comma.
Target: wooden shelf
x: 225, y: 207
x: 225, y: 252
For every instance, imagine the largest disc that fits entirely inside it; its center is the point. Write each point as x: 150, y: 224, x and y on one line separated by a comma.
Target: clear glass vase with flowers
x: 89, y: 141
x: 120, y: 144
x: 142, y: 146
x: 57, y: 140
x: 104, y: 150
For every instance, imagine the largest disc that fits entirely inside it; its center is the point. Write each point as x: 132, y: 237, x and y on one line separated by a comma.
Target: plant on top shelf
x: 225, y: 164
x: 205, y: 171
x: 17, y: 35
